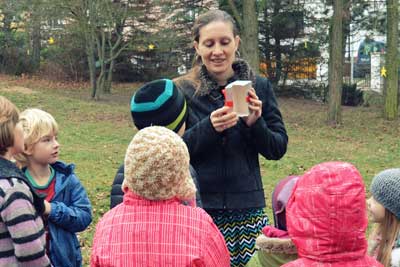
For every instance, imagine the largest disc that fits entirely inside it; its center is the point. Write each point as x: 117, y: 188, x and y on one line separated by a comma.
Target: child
x: 22, y: 241
x: 68, y: 209
x: 326, y: 218
x: 384, y: 210
x: 157, y: 103
x: 275, y: 247
x: 151, y: 227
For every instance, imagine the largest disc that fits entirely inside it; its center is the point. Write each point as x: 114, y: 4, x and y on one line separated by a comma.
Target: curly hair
x: 9, y: 116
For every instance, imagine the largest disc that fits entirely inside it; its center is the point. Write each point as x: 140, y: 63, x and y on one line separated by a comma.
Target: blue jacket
x: 71, y: 212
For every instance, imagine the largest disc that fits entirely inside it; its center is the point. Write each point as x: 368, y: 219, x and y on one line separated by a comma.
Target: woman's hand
x: 255, y: 106
x: 223, y: 118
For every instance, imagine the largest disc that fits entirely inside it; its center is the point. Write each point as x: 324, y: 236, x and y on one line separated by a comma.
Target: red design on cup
x: 228, y: 103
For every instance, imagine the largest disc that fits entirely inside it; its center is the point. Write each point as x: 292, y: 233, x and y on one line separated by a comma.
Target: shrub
x: 351, y: 96
x: 14, y: 59
x: 64, y: 60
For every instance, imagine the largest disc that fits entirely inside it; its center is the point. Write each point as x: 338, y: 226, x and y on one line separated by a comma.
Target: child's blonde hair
x: 8, y: 120
x: 35, y: 123
x: 388, y: 230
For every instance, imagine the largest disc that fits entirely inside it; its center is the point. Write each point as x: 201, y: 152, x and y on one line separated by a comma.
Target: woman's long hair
x: 201, y: 21
x: 389, y: 230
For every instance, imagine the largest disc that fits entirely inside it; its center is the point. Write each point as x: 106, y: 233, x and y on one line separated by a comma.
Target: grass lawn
x: 94, y: 136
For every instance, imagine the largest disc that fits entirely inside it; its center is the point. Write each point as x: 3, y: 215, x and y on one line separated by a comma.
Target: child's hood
x: 326, y: 214
x: 64, y: 173
x: 66, y: 169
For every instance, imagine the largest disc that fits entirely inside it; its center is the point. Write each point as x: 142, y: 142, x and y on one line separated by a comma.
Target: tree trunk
x: 36, y: 42
x: 109, y: 71
x: 267, y: 49
x: 249, y: 35
x: 335, y: 77
x: 108, y: 83
x: 248, y: 26
x: 278, y: 58
x: 90, y: 52
x: 391, y: 90
x: 87, y: 23
x: 277, y: 48
x: 101, y: 49
x: 100, y: 83
x: 346, y: 27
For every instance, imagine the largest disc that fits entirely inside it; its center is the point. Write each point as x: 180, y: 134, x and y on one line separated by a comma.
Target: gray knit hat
x: 385, y: 188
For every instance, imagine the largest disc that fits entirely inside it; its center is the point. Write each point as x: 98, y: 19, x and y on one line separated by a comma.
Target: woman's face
x: 216, y: 47
x: 376, y: 211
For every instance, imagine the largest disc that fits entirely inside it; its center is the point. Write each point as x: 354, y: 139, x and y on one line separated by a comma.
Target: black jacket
x: 227, y: 163
x: 117, y: 195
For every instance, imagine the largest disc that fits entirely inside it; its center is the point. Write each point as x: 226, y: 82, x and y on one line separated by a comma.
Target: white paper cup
x: 239, y: 98
x: 236, y: 95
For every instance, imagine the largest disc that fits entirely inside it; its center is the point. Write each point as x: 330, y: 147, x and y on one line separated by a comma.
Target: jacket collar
x: 241, y: 69
x: 66, y: 169
x: 63, y: 172
x: 132, y: 199
x: 9, y: 169
x: 60, y: 167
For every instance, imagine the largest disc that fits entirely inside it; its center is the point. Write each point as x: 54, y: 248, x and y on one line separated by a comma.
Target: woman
x: 223, y: 147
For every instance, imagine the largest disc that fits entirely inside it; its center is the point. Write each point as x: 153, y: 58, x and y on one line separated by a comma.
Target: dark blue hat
x: 159, y: 103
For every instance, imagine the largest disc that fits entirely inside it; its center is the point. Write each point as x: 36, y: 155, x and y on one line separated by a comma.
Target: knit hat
x: 159, y: 103
x: 385, y: 188
x: 157, y: 165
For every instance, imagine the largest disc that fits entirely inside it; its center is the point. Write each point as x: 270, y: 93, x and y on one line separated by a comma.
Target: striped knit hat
x: 385, y: 188
x: 157, y: 165
x: 159, y: 103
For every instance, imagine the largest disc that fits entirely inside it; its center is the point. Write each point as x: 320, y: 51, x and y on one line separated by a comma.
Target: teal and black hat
x: 159, y: 103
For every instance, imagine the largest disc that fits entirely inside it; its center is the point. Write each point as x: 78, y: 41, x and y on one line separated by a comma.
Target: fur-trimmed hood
x: 242, y: 71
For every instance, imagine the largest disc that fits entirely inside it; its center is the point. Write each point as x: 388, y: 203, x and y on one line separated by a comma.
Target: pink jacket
x: 140, y: 232
x: 326, y: 218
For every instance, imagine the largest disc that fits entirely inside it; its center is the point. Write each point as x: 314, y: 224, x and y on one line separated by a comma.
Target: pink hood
x: 326, y: 217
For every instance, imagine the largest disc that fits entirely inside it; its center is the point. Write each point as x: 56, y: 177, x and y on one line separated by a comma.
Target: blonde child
x: 384, y: 210
x: 21, y: 228
x: 68, y: 209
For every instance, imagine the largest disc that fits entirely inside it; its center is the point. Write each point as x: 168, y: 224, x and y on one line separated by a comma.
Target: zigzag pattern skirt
x: 240, y: 229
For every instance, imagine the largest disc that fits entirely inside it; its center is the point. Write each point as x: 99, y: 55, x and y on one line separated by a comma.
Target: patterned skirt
x: 240, y: 229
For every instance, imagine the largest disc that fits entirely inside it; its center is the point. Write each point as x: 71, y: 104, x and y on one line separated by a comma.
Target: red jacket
x: 326, y: 218
x: 145, y: 233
